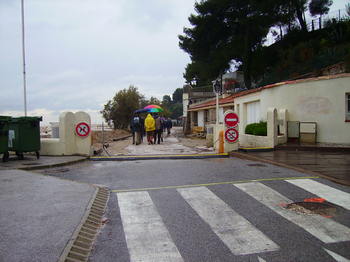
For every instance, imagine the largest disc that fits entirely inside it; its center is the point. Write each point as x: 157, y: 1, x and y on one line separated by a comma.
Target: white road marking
x: 336, y: 256
x: 239, y: 235
x: 325, y: 229
x: 261, y: 260
x: 331, y: 194
x: 147, y: 238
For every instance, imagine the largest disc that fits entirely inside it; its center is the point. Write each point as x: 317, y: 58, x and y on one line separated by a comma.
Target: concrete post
x: 283, y: 118
x: 272, y: 127
x: 83, y: 144
x: 66, y: 131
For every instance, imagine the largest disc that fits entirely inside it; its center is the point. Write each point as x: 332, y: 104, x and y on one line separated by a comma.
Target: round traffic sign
x: 231, y: 135
x: 82, y: 129
x: 231, y: 119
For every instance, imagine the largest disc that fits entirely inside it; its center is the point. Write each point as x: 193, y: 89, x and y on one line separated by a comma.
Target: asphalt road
x: 212, y: 210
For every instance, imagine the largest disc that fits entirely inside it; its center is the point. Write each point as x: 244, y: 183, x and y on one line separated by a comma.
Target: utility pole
x: 24, y: 62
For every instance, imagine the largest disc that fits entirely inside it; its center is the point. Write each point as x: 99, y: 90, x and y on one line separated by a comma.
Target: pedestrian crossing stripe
x: 223, y: 220
x: 148, y: 238
x: 336, y: 256
x: 333, y: 195
x: 326, y: 230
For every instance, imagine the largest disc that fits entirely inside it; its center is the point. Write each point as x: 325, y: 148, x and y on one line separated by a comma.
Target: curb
x: 256, y: 149
x: 158, y: 157
x: 302, y: 170
x: 53, y: 165
x: 79, y: 246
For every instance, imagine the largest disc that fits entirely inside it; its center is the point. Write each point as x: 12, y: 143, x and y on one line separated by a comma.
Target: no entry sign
x: 231, y: 119
x: 231, y: 135
x: 82, y: 129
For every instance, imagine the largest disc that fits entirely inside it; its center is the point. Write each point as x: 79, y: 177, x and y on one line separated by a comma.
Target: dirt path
x: 175, y: 143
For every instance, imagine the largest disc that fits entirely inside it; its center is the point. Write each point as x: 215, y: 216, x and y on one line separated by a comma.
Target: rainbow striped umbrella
x: 154, y: 108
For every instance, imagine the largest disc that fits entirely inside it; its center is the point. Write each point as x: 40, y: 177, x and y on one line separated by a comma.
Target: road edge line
x: 211, y: 184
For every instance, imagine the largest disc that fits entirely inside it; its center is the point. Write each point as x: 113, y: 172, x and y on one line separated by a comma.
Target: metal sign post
x: 231, y: 120
x: 24, y: 62
x: 217, y: 89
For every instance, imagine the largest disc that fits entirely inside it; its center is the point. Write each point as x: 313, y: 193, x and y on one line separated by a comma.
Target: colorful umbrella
x: 155, y: 110
x: 152, y: 106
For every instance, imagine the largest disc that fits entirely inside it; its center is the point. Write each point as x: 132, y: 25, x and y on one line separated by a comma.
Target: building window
x: 347, y: 107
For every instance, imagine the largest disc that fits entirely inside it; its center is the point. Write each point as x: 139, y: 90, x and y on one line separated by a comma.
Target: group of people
x: 153, y: 126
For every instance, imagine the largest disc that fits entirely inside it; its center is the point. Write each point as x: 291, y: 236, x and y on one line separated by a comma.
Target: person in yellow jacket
x: 150, y: 127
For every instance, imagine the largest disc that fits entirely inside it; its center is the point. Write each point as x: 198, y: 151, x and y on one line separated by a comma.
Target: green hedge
x: 256, y: 129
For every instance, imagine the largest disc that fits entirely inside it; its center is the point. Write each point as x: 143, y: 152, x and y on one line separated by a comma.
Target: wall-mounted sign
x: 82, y: 129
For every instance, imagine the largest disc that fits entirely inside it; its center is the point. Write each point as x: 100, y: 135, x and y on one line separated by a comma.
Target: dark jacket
x: 135, y: 127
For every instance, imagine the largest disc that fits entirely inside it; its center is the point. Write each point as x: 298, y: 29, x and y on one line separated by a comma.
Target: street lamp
x: 24, y: 62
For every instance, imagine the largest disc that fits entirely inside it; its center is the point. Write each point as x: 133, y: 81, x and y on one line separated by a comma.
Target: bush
x: 256, y: 129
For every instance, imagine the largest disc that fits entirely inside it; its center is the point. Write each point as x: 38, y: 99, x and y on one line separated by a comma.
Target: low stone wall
x: 254, y: 141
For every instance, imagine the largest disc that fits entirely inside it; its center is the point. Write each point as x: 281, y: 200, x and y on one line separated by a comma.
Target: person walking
x: 169, y: 125
x: 158, y: 131
x: 135, y: 127
x: 150, y: 127
x: 142, y: 128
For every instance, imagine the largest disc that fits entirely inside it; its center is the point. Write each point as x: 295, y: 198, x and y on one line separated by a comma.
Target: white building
x: 317, y: 106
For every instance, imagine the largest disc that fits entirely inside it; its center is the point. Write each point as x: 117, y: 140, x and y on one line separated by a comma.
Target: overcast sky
x: 80, y: 53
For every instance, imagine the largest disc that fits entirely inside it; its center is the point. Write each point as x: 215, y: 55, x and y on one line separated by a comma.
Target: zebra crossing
x: 148, y: 237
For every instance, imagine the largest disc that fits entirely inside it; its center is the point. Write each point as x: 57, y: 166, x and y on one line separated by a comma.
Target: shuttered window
x: 253, y: 112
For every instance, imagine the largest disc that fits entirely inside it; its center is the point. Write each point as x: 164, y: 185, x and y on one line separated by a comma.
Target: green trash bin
x: 24, y: 135
x: 4, y: 128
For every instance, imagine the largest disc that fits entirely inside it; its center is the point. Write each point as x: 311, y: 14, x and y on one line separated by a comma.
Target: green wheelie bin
x: 4, y: 128
x: 24, y: 135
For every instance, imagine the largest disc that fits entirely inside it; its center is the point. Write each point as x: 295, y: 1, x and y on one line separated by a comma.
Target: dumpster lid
x: 5, y: 118
x: 27, y: 118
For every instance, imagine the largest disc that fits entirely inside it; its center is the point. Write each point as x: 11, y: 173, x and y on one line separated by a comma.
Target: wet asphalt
x: 192, y: 236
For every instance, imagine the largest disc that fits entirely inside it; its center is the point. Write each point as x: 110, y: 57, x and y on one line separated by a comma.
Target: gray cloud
x: 80, y: 53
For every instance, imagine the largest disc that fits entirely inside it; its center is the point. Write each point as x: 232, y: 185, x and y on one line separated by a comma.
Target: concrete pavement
x: 30, y: 162
x: 38, y: 216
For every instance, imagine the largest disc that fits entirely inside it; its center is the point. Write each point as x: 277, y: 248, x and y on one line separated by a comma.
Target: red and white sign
x: 82, y: 129
x: 231, y: 135
x: 231, y: 119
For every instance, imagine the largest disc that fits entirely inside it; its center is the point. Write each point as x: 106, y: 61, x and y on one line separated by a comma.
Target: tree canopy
x: 224, y: 32
x: 118, y: 111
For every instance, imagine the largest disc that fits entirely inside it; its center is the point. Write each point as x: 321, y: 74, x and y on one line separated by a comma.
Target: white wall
x: 241, y: 105
x: 321, y: 101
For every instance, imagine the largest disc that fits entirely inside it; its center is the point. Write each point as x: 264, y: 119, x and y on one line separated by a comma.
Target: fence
x: 312, y: 24
x: 319, y: 23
